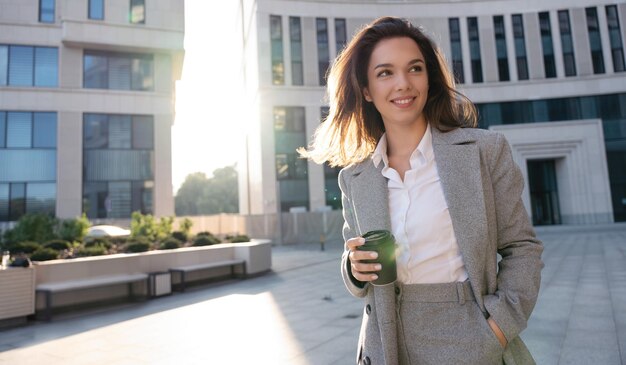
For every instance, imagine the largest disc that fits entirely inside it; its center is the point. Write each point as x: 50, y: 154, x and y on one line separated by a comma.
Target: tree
x: 200, y: 195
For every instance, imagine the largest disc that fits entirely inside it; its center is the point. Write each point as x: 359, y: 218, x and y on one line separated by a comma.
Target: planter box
x: 17, y: 292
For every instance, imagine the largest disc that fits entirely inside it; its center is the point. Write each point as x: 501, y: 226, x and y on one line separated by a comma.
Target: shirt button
x: 368, y: 309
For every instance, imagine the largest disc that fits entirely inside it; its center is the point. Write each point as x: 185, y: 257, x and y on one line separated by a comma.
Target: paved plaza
x: 301, y: 314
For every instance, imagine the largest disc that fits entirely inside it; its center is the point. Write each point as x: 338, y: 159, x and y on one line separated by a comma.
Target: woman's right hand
x: 360, y: 270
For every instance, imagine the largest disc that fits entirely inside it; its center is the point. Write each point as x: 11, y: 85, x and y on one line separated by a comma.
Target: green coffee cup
x: 382, y: 242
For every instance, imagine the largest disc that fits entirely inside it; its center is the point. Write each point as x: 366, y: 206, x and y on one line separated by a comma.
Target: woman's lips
x: 403, y: 102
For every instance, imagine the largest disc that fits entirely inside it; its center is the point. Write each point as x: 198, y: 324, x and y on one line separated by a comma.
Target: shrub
x: 205, y: 233
x: 237, y: 238
x: 147, y: 226
x: 185, y: 226
x: 203, y: 240
x: 169, y: 244
x: 35, y: 227
x: 138, y: 245
x: 44, y: 254
x: 58, y: 245
x: 24, y: 247
x: 74, y: 229
x: 90, y: 251
x: 180, y: 235
x: 99, y: 242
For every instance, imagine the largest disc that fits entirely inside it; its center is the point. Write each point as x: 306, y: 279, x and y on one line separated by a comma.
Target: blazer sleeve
x: 519, y: 270
x: 354, y: 286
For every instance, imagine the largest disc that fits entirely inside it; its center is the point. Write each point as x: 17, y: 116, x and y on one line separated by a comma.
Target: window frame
x: 40, y: 18
x: 130, y: 12
x: 101, y: 7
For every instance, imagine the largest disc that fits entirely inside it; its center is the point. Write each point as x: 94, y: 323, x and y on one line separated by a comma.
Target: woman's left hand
x: 497, y: 331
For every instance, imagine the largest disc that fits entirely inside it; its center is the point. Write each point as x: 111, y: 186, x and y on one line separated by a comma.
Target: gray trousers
x: 442, y: 324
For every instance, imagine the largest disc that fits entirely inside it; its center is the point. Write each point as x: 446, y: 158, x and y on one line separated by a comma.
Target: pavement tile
x: 580, y: 356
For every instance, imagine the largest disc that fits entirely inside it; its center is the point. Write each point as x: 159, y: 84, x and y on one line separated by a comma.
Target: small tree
x: 185, y: 226
x: 147, y: 226
x: 74, y: 229
x: 35, y: 227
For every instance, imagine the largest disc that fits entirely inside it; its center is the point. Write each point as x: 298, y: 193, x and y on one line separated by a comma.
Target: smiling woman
x: 207, y: 133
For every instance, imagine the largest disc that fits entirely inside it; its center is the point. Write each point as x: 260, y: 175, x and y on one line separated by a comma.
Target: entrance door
x: 544, y: 195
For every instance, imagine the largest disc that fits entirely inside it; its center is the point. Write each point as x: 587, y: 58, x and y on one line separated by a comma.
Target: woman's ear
x: 366, y: 94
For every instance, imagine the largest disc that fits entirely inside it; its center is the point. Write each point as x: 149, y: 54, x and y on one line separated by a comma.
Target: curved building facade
x: 551, y: 76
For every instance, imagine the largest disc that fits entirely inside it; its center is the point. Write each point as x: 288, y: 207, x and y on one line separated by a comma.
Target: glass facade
x: 595, y: 42
x: 96, y: 9
x: 457, y: 53
x: 276, y: 40
x: 615, y: 37
x: 46, y: 11
x: 28, y: 143
x: 323, y: 53
x: 546, y: 45
x: 295, y: 38
x: 341, y: 37
x: 567, y: 44
x: 137, y: 13
x: 501, y: 53
x: 520, y: 47
x: 474, y: 44
x: 291, y: 171
x: 332, y: 192
x: 118, y: 165
x: 118, y: 71
x: 610, y: 108
x: 29, y: 66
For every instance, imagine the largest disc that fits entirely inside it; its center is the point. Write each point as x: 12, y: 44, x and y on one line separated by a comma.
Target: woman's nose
x: 402, y: 82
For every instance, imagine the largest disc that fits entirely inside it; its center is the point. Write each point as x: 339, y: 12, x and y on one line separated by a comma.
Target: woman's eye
x: 384, y: 73
x: 416, y: 69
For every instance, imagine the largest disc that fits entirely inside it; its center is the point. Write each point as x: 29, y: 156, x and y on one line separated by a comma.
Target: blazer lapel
x: 370, y: 198
x: 458, y: 163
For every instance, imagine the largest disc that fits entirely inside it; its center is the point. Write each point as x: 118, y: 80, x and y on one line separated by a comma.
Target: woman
x: 451, y: 196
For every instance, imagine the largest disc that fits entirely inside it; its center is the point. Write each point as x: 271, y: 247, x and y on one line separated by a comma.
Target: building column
x: 510, y: 47
x: 317, y: 196
x: 465, y: 49
x: 69, y: 165
x: 556, y: 43
x: 163, y: 196
x: 604, y: 38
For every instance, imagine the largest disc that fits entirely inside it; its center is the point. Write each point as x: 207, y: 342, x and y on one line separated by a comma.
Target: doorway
x: 544, y: 195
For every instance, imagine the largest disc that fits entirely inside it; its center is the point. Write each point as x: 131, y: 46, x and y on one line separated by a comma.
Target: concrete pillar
x: 69, y: 164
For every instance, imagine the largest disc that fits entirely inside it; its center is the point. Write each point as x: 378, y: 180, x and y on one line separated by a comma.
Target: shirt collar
x: 424, y: 150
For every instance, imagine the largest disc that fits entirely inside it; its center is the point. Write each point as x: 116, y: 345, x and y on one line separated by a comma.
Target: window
x: 617, y: 50
x: 595, y: 42
x: 137, y: 12
x: 96, y: 9
x: 118, y: 165
x: 28, y: 160
x: 119, y: 71
x: 276, y: 39
x: 457, y: 54
x: 569, y: 60
x: 291, y: 171
x: 546, y: 44
x: 341, y: 37
x: 323, y: 54
x: 28, y: 66
x: 295, y: 37
x: 331, y: 175
x: 503, y: 60
x: 520, y: 47
x: 474, y: 43
x: 46, y: 11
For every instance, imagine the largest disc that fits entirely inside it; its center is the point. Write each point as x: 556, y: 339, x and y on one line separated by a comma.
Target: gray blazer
x: 482, y: 186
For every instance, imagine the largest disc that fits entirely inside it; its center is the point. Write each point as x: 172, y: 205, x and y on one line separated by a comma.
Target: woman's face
x: 397, y: 82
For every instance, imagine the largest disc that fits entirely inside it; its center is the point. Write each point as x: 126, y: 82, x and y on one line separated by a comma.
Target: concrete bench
x: 183, y: 270
x: 64, y: 286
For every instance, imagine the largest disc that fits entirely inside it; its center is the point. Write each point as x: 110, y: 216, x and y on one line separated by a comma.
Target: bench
x: 183, y: 270
x: 50, y: 288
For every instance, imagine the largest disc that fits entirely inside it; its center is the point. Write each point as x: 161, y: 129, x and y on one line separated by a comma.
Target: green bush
x: 204, y: 240
x: 205, y: 233
x: 147, y: 226
x: 180, y: 235
x: 35, y: 227
x: 237, y: 238
x: 185, y: 226
x: 90, y: 251
x: 99, y: 242
x: 170, y: 244
x: 58, y: 245
x: 44, y: 254
x: 24, y: 247
x: 138, y: 245
x: 74, y: 229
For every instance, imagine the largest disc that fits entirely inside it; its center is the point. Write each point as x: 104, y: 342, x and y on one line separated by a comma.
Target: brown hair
x: 353, y: 127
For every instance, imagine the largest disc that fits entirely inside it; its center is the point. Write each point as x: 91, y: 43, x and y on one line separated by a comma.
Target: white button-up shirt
x: 428, y: 251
